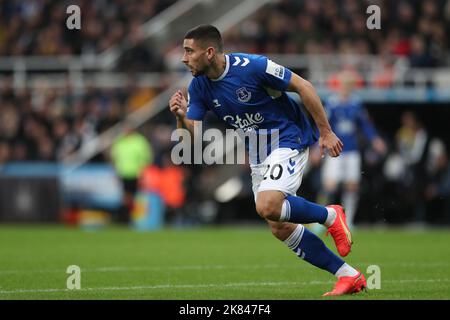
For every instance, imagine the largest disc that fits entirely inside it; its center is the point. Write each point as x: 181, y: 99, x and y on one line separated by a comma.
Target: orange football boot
x: 340, y: 231
x: 348, y: 285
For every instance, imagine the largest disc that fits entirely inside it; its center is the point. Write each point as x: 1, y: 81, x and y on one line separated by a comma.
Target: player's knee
x: 269, y: 208
x: 282, y: 230
x: 278, y: 232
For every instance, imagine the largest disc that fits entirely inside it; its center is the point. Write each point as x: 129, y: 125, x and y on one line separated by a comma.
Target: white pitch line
x: 167, y: 286
x: 156, y: 268
x: 218, y: 267
x: 196, y: 286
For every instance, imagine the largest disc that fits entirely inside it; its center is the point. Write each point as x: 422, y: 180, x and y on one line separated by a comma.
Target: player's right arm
x: 190, y: 112
x: 178, y: 106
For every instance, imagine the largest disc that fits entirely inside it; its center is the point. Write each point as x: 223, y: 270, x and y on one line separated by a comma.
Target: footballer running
x: 245, y: 85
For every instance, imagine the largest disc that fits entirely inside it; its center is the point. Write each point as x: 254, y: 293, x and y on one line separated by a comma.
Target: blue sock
x: 298, y: 210
x: 311, y: 248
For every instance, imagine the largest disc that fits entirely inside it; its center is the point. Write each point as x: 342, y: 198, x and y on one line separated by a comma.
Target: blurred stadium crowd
x: 414, y: 29
x: 45, y: 124
x: 37, y: 27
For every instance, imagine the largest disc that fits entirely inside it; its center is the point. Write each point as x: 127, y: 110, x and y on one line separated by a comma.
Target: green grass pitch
x: 232, y: 262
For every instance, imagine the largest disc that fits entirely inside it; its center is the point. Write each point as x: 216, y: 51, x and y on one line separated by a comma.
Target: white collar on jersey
x: 227, y: 67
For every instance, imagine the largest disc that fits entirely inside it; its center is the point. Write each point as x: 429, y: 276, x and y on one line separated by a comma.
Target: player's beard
x: 198, y: 72
x: 200, y: 69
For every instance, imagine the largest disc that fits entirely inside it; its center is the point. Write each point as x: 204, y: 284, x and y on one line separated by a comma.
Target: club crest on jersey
x: 243, y: 94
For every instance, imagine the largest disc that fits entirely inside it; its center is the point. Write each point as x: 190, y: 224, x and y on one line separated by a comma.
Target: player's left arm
x: 328, y: 139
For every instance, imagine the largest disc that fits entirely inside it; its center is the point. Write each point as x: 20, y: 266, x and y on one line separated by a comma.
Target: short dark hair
x: 206, y: 33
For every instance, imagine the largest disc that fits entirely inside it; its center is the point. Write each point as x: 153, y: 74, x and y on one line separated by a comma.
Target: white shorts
x: 282, y: 170
x: 345, y: 168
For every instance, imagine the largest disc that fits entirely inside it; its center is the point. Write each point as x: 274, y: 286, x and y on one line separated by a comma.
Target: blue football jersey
x: 251, y: 95
x: 346, y: 118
